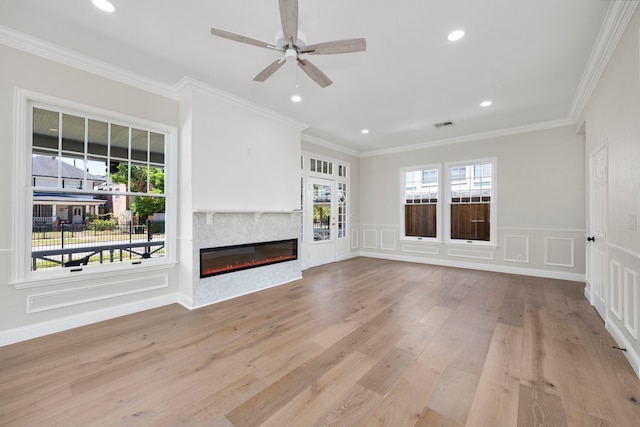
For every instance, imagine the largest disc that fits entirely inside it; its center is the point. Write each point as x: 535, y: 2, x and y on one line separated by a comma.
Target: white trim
x: 331, y: 146
x: 555, y: 230
x: 478, y: 266
x: 621, y: 340
x: 53, y: 52
x: 631, y: 299
x: 12, y: 336
x: 615, y: 22
x: 546, y: 252
x: 506, y: 248
x: 188, y: 83
x: 34, y: 307
x: 473, y: 137
x: 21, y: 276
x: 461, y: 253
x: 616, y: 283
x: 625, y: 251
x: 493, y: 210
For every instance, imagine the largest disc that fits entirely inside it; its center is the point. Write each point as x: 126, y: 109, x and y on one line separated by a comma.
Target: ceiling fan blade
x: 269, y: 70
x: 289, y: 19
x: 242, y: 39
x: 314, y: 72
x: 338, y: 46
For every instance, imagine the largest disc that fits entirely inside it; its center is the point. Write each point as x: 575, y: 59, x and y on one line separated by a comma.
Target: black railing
x: 70, y: 245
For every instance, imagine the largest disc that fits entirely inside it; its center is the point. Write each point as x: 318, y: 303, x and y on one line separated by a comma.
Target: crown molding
x: 187, y: 83
x: 613, y: 26
x: 53, y: 52
x: 330, y: 145
x: 552, y: 124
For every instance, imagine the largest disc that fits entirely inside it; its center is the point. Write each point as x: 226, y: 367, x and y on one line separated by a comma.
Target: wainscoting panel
x: 559, y: 251
x: 75, y: 296
x: 370, y: 238
x: 616, y: 286
x: 354, y: 238
x: 623, y: 290
x: 431, y: 250
x: 388, y: 240
x: 470, y: 254
x: 631, y: 302
x: 516, y: 248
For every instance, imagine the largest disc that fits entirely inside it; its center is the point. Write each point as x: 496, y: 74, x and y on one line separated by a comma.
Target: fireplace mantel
x: 210, y: 213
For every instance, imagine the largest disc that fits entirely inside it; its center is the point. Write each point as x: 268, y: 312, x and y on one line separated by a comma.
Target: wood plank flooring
x: 363, y: 342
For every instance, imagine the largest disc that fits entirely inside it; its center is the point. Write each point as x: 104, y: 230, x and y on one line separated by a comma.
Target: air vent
x: 443, y: 124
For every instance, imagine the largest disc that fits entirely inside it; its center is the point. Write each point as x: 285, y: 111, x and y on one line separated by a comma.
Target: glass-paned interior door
x: 322, y: 212
x: 321, y: 226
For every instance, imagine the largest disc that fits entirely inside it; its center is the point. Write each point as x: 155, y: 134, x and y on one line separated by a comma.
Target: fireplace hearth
x: 227, y: 259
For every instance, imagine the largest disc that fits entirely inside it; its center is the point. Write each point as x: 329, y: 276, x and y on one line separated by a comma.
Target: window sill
x: 56, y: 279
x: 431, y: 240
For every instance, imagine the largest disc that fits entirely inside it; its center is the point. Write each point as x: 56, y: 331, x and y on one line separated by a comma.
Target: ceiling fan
x: 293, y: 46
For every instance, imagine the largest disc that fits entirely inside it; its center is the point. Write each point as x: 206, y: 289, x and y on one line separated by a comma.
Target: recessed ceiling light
x: 485, y: 103
x: 455, y: 35
x: 364, y: 131
x: 104, y: 5
x: 296, y: 98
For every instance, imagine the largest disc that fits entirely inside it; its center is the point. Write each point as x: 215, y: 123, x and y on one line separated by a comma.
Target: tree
x: 142, y: 206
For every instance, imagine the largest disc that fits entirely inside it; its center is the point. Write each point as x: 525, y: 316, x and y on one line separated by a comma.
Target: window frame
x: 25, y: 101
x: 422, y: 168
x: 493, y: 204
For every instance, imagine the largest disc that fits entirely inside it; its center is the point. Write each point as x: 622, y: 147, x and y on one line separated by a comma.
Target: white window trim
x: 22, y: 204
x: 493, y: 233
x: 438, y: 238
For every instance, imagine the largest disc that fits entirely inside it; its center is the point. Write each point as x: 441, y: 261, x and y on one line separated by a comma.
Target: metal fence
x: 99, y: 241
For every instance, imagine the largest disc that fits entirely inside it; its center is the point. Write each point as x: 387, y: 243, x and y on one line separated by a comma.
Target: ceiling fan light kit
x: 292, y: 45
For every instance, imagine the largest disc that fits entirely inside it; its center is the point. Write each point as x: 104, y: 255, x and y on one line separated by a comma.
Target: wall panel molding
x: 516, y: 248
x: 54, y: 300
x: 388, y: 240
x: 470, y: 254
x: 617, y: 289
x: 370, y: 238
x: 559, y: 251
x: 631, y: 302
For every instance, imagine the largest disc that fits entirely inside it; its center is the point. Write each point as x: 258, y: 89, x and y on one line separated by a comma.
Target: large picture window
x: 471, y: 201
x: 96, y: 190
x: 420, y: 202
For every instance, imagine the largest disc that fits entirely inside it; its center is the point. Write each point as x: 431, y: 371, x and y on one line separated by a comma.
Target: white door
x: 320, y: 221
x: 596, y: 252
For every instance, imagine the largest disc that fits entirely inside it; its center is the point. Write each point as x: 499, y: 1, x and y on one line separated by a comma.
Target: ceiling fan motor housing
x: 291, y: 54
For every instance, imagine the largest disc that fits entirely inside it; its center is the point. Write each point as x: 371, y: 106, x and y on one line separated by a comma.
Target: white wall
x: 540, y: 196
x: 27, y: 311
x: 612, y: 118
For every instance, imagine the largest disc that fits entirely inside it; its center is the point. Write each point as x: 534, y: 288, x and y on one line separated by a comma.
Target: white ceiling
x: 528, y: 57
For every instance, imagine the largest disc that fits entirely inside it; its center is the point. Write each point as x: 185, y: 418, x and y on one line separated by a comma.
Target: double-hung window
x: 471, y: 201
x: 420, y: 202
x: 97, y: 191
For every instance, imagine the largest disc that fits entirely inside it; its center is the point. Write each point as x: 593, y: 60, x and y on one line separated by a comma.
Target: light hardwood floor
x: 363, y: 342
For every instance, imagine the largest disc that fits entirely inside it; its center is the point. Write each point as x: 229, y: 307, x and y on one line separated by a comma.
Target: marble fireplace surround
x: 226, y: 228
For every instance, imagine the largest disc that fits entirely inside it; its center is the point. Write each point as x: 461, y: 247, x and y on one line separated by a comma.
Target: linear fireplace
x: 226, y: 259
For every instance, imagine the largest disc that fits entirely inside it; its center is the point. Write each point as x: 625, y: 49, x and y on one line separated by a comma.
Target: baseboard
x: 621, y: 340
x: 25, y: 333
x: 478, y: 266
